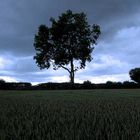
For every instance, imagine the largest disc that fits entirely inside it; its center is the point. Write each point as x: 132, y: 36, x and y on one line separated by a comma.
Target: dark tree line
x: 66, y: 86
x: 14, y: 85
x: 87, y: 85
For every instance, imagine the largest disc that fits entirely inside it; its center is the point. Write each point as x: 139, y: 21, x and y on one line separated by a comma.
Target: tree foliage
x: 135, y: 74
x: 67, y: 44
x: 2, y: 81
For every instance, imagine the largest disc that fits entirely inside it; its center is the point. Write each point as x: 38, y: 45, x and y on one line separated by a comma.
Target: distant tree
x: 87, y: 82
x: 2, y: 84
x: 2, y: 81
x: 135, y: 74
x: 109, y: 83
x: 67, y: 44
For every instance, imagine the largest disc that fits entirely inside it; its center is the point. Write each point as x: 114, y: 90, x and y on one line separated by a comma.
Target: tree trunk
x: 72, y: 73
x: 72, y: 77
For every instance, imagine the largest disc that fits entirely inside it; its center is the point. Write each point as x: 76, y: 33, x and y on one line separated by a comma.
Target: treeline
x: 15, y: 86
x: 66, y: 86
x: 87, y: 85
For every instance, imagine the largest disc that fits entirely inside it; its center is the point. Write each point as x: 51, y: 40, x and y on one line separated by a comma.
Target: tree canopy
x: 67, y: 44
x: 135, y: 74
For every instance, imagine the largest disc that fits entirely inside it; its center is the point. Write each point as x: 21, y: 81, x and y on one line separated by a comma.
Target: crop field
x: 109, y: 114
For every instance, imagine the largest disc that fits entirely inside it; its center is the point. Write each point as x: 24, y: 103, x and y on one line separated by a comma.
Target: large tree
x: 135, y: 74
x: 67, y: 44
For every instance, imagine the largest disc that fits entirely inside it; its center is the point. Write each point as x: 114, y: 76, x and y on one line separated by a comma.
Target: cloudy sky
x: 117, y: 51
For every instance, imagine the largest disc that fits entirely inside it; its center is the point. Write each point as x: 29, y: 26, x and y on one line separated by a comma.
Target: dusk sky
x: 117, y: 50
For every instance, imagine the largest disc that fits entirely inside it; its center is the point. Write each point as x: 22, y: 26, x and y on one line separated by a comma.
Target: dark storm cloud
x: 20, y: 19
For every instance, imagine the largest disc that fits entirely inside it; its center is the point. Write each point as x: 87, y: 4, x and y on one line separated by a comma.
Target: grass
x: 70, y: 115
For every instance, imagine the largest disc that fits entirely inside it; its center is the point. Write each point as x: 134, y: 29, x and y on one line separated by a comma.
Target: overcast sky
x: 117, y: 51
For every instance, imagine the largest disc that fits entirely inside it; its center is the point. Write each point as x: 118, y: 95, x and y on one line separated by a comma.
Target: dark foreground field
x: 70, y: 115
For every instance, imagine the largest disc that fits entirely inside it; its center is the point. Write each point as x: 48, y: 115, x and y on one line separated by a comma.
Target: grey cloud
x: 21, y: 18
x: 24, y: 69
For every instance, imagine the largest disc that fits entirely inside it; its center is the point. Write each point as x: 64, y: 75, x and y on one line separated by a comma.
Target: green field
x: 70, y: 115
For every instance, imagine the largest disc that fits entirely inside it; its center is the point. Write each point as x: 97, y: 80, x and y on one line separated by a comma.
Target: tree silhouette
x: 67, y: 44
x: 135, y: 74
x: 2, y: 81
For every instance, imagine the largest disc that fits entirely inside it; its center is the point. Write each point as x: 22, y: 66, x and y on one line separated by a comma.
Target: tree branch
x: 65, y: 68
x: 76, y: 69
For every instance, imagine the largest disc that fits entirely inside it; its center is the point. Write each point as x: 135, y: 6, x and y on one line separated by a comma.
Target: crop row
x: 70, y: 120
